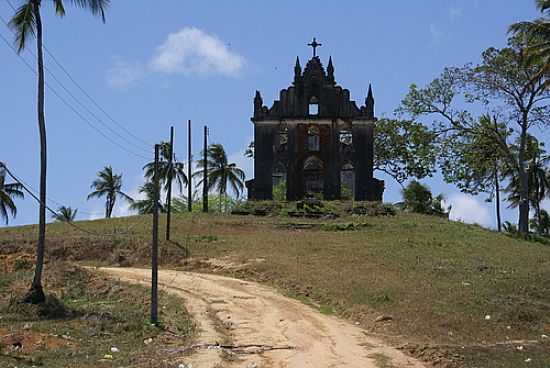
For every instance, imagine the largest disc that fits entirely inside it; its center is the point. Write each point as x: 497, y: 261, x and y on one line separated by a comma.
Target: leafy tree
x: 166, y: 173
x: 473, y: 161
x: 404, y: 149
x: 179, y: 204
x: 108, y: 185
x: 146, y: 206
x: 538, y: 31
x: 27, y: 22
x: 542, y: 224
x: 249, y: 152
x: 8, y: 192
x: 503, y: 83
x: 418, y: 198
x: 220, y: 173
x: 65, y: 214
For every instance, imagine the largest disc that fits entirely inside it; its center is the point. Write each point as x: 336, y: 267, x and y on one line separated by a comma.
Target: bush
x: 418, y: 198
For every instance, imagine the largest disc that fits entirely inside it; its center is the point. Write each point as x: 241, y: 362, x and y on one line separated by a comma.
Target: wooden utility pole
x: 155, y: 243
x: 189, y: 175
x: 170, y: 178
x: 205, y: 172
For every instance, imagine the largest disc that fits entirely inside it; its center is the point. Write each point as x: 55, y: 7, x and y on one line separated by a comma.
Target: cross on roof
x: 314, y: 44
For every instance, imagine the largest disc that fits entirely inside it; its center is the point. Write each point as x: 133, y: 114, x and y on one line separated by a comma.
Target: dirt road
x: 257, y: 327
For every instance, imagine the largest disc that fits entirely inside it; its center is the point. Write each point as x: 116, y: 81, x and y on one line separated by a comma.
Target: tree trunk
x: 523, y: 223
x: 112, y: 205
x: 497, y: 199
x: 36, y: 293
x: 220, y: 204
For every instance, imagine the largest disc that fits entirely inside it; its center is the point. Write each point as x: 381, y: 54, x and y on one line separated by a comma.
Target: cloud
x: 192, y: 51
x: 455, y: 14
x: 189, y: 51
x: 467, y: 209
x: 123, y: 74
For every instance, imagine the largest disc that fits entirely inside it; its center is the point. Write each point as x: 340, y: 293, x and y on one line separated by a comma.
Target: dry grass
x: 438, y: 280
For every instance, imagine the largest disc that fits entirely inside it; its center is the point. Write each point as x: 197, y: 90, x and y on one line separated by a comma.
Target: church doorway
x: 347, y: 181
x: 279, y: 182
x: 313, y: 176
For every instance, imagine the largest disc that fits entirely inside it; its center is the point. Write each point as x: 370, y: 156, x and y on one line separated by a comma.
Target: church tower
x: 314, y: 140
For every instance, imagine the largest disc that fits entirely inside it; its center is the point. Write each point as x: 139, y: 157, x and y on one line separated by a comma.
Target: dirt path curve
x: 262, y: 328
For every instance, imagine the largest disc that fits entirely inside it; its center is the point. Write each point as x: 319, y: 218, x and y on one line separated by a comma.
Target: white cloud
x: 455, y: 14
x: 192, y: 51
x: 123, y: 74
x: 468, y: 209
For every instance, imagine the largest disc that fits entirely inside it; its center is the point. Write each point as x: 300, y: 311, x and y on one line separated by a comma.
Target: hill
x: 458, y: 295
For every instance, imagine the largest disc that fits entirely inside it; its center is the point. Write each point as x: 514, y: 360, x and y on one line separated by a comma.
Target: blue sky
x: 159, y: 63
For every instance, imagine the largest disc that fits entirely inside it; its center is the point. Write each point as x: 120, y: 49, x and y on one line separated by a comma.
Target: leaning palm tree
x: 221, y: 173
x: 65, y: 214
x: 146, y: 205
x: 167, y: 173
x: 27, y: 22
x: 108, y: 185
x: 8, y: 192
x: 537, y: 34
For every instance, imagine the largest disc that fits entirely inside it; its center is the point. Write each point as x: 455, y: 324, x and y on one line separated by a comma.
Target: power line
x: 75, y: 99
x: 54, y: 213
x: 59, y: 64
x: 64, y: 101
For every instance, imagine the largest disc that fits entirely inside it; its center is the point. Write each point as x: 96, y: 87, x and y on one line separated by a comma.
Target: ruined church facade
x: 314, y: 140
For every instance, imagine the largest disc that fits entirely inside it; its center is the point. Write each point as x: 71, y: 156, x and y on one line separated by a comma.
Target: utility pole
x: 189, y: 175
x: 155, y: 243
x: 170, y: 177
x: 205, y: 173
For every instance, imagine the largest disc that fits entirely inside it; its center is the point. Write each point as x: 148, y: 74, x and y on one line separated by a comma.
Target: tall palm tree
x: 146, y: 206
x: 537, y: 32
x: 167, y: 173
x: 8, y: 192
x: 108, y: 185
x: 65, y: 214
x: 27, y: 22
x: 221, y: 173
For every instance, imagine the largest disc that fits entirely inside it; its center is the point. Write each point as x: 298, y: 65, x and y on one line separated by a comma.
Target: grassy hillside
x: 456, y: 293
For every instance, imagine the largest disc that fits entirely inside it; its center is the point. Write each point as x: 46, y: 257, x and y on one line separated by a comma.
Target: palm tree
x: 146, y: 206
x: 537, y: 33
x: 26, y: 22
x: 167, y: 174
x: 108, y: 185
x: 65, y: 214
x: 221, y: 173
x: 8, y: 192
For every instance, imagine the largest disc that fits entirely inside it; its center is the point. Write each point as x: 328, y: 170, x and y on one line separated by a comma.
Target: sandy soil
x: 244, y: 324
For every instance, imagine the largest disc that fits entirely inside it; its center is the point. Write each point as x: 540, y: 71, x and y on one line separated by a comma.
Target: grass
x: 84, y: 317
x: 438, y: 280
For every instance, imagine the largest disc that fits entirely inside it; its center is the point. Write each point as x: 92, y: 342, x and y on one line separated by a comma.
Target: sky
x: 159, y: 63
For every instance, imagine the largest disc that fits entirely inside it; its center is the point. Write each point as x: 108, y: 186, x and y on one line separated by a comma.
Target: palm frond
x: 23, y: 24
x: 97, y: 7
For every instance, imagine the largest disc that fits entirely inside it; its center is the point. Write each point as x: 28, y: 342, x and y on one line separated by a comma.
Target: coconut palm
x: 65, y: 214
x: 537, y: 34
x: 147, y: 205
x: 221, y: 173
x: 166, y: 173
x: 27, y: 22
x: 108, y: 185
x: 8, y: 192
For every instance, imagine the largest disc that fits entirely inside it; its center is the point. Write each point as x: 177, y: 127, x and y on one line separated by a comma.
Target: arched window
x: 314, y: 106
x: 283, y: 138
x: 313, y: 175
x: 313, y: 139
x: 347, y: 181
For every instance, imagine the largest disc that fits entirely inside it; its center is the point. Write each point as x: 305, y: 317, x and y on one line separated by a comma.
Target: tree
x: 27, y: 22
x: 504, y: 84
x: 146, y: 205
x: 108, y: 185
x: 65, y: 214
x: 538, y: 32
x: 167, y: 173
x: 221, y: 173
x: 538, y: 178
x: 418, y: 198
x: 404, y: 149
x: 542, y: 224
x: 473, y: 161
x: 8, y: 192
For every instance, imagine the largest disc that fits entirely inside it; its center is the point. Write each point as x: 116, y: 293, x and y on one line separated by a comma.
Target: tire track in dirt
x: 243, y: 323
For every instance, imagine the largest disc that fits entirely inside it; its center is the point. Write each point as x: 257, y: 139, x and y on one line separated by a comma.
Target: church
x: 314, y: 141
